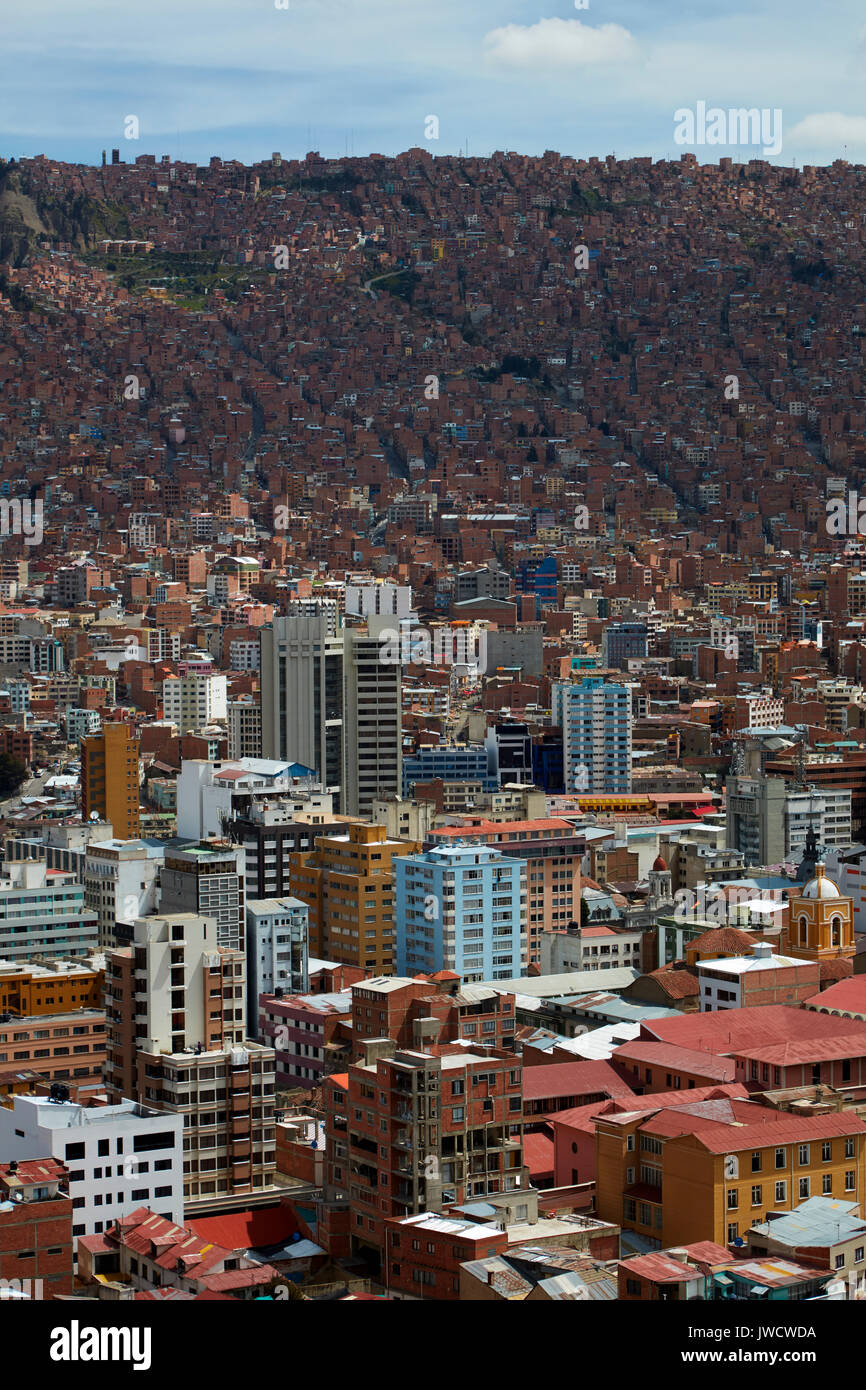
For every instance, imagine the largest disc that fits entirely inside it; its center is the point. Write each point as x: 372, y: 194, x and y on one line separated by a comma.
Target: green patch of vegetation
x: 402, y: 284
x: 187, y: 277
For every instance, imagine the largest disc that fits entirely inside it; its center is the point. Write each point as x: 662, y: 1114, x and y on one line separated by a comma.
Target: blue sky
x: 241, y: 78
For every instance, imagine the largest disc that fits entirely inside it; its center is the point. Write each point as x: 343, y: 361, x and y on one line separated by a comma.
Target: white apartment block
x: 277, y: 950
x: 119, y: 1157
x: 211, y: 793
x: 120, y: 883
x: 193, y: 701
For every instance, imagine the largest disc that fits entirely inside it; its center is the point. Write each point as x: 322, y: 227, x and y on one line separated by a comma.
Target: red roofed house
x: 148, y: 1252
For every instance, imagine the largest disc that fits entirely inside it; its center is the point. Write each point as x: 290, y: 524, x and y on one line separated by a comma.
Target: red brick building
x: 35, y: 1228
x: 408, y: 1132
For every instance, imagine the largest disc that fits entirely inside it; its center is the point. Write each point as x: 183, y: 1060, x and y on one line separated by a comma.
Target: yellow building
x: 348, y: 883
x: 109, y: 779
x: 820, y: 921
x: 677, y: 1177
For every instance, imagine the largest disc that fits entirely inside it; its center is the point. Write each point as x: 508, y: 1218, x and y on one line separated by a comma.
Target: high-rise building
x: 207, y: 878
x: 302, y: 696
x: 194, y: 700
x: 372, y: 718
x: 461, y: 908
x: 245, y: 728
x: 348, y: 883
x: 596, y: 721
x: 176, y: 1005
x: 277, y: 950
x: 120, y: 883
x: 109, y: 779
x: 331, y: 701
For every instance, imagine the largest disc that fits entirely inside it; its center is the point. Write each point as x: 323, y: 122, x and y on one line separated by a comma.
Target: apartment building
x: 244, y: 727
x: 43, y: 914
x: 348, y: 883
x: 276, y: 950
x: 116, y: 1156
x: 595, y: 717
x: 270, y: 834
x: 49, y: 987
x: 207, y: 878
x: 421, y: 1012
x: 60, y: 1046
x: 309, y: 1034
x: 109, y: 779
x: 194, y: 701
x: 552, y: 851
x: 121, y: 879
x: 176, y: 1010
x: 408, y: 1132
x: 462, y: 908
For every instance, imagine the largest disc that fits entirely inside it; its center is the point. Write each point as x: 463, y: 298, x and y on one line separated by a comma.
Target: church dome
x: 660, y: 867
x: 820, y: 886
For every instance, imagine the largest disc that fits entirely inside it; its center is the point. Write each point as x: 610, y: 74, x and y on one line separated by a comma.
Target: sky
x: 243, y: 78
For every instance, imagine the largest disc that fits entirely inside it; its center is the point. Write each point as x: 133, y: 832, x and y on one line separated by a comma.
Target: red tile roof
x: 247, y: 1230
x: 572, y: 1078
x: 677, y: 984
x: 730, y: 1030
x: 661, y: 1054
x: 848, y: 996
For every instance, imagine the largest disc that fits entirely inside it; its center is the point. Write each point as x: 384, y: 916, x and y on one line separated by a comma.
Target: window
x: 804, y: 1189
x: 840, y: 1260
x: 74, y: 1151
x: 826, y: 1151
x: 849, y: 1148
x: 756, y: 1162
x: 804, y: 1155
x: 629, y: 1143
x: 633, y: 1287
x: 781, y: 1191
x: 733, y: 1232
x: 827, y: 1185
x: 780, y: 1158
x: 858, y: 1254
x: 756, y: 1196
x: 850, y: 1180
x: 733, y: 1199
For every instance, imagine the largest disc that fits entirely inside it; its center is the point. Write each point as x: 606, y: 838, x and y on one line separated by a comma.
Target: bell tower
x: 820, y: 921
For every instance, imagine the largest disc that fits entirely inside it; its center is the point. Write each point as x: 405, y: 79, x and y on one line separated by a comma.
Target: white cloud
x: 829, y: 130
x: 559, y: 43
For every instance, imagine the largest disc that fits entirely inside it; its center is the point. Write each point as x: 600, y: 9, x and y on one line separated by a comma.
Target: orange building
x: 820, y: 922
x: 52, y: 988
x: 348, y: 883
x: 711, y: 1170
x: 109, y: 779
